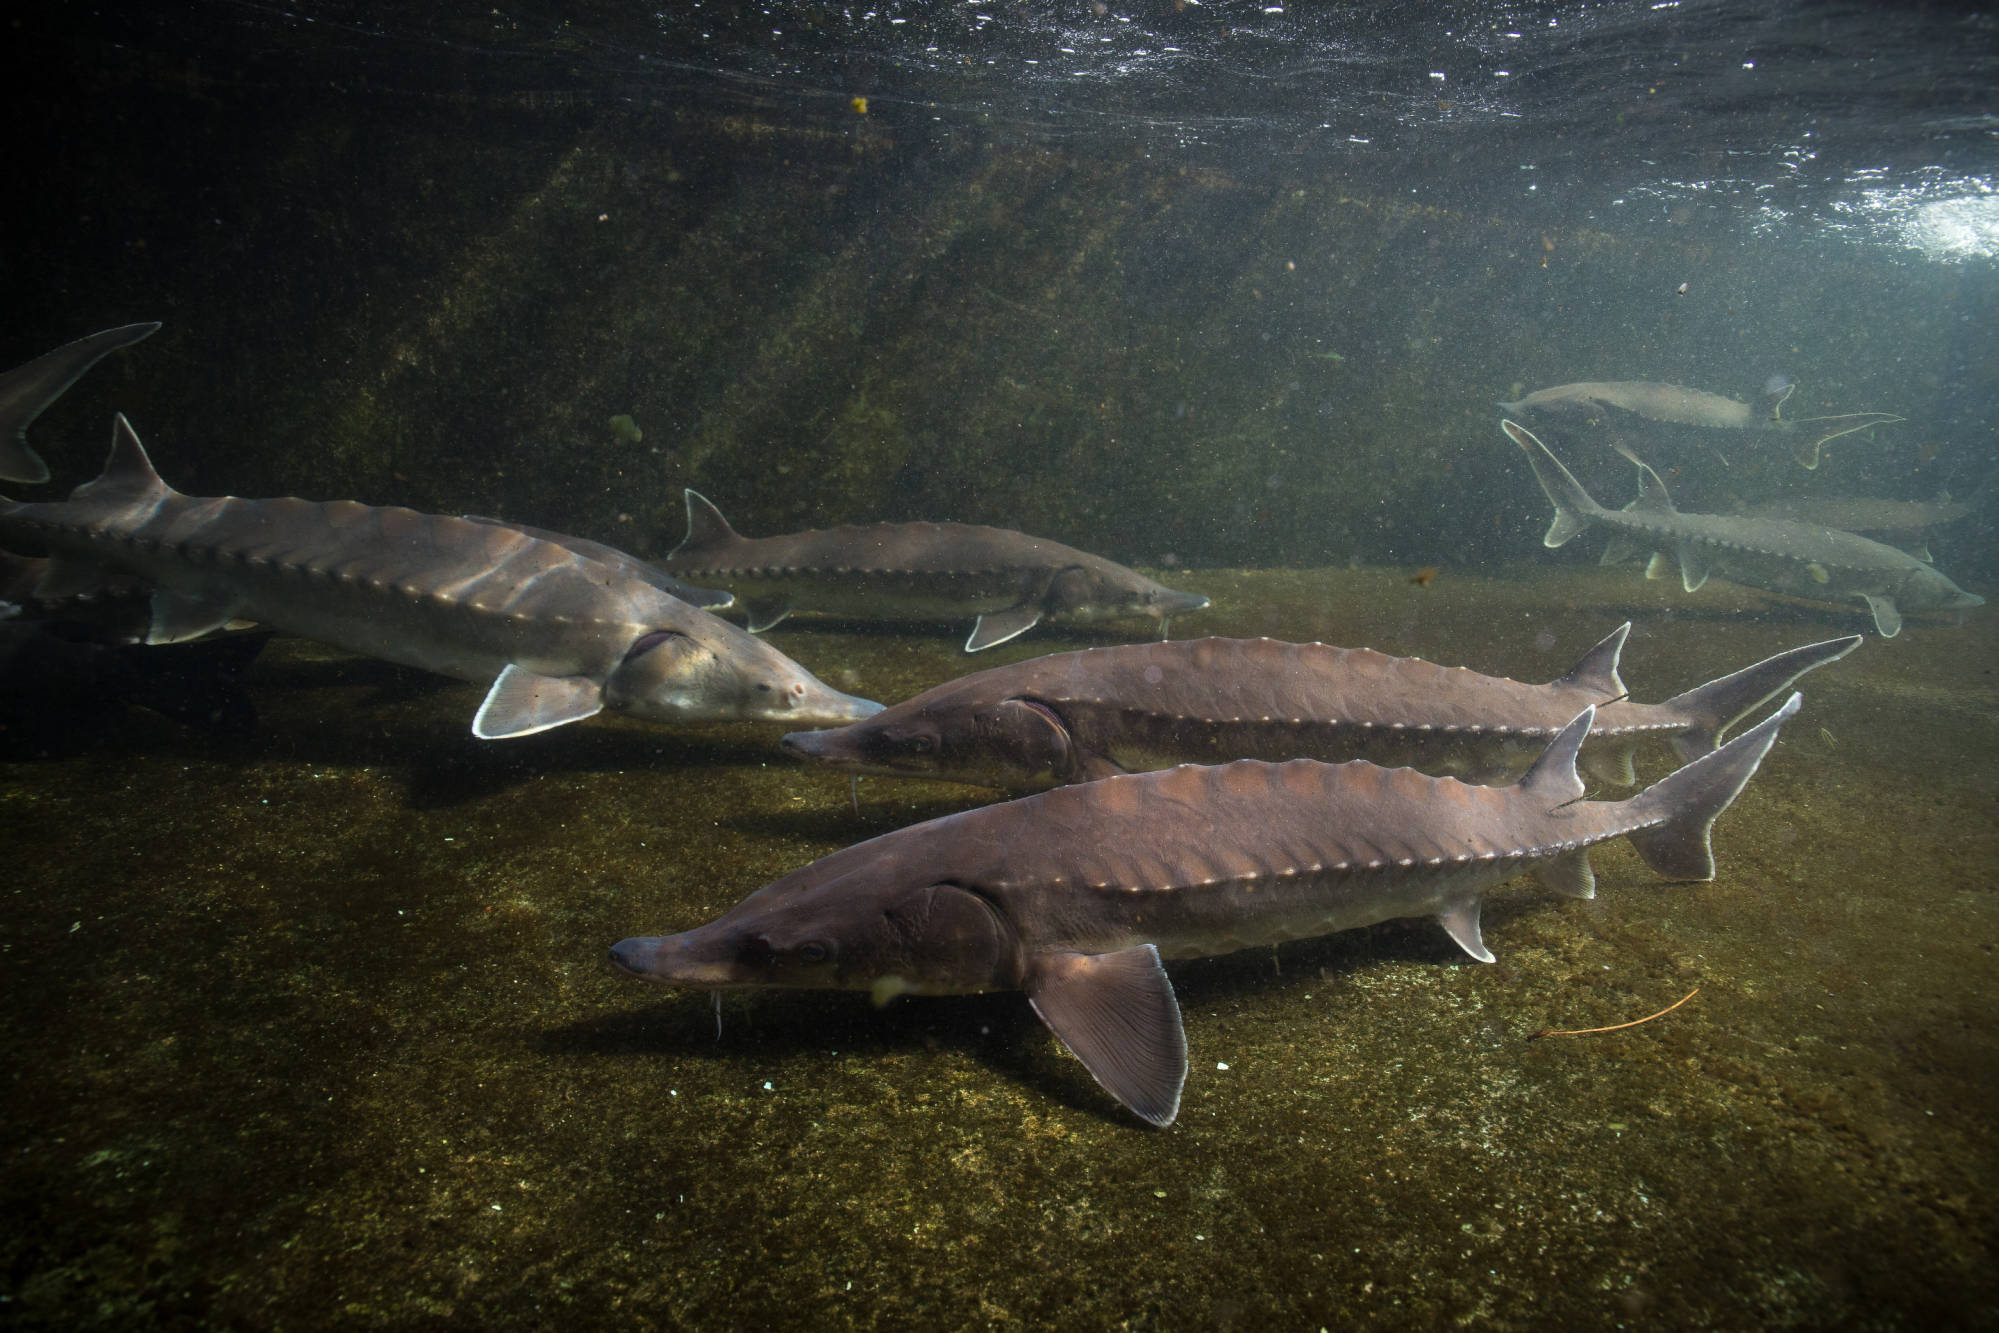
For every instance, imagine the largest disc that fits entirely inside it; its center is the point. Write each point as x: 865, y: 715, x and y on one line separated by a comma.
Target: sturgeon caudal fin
x: 1574, y: 509
x: 1116, y: 1013
x: 26, y: 391
x: 1709, y: 710
x: 1680, y: 808
x: 707, y: 530
x: 1598, y: 669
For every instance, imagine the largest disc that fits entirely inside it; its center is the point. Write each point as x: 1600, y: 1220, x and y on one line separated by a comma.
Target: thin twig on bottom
x: 1584, y: 1032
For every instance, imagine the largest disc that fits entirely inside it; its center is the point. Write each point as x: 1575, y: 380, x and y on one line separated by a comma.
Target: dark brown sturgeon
x: 1074, y: 895
x: 26, y: 390
x: 1074, y: 717
x: 916, y: 571
x: 557, y: 636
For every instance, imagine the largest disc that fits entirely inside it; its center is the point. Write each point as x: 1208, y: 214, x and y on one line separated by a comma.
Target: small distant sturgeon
x: 1769, y: 553
x: 26, y: 390
x: 557, y: 636
x: 1076, y: 717
x: 1075, y: 895
x: 1693, y: 407
x: 916, y: 571
x: 1903, y: 524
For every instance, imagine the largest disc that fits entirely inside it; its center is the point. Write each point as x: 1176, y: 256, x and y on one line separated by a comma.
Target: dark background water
x: 1197, y: 284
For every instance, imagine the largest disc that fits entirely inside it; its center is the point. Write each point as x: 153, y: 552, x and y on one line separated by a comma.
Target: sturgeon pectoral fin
x: 522, y: 703
x: 178, y: 618
x: 1569, y: 874
x: 766, y: 611
x: 1462, y: 922
x: 1117, y: 1014
x: 1887, y: 620
x: 1693, y: 568
x: 996, y: 627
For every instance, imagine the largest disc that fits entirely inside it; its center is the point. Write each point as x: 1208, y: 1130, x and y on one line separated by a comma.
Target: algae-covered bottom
x: 315, y: 1026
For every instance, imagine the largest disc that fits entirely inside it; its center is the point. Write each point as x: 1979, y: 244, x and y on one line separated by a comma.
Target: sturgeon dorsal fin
x: 1597, y: 671
x: 522, y: 703
x: 1653, y: 497
x: 128, y: 473
x: 1462, y: 923
x: 1553, y: 775
x: 707, y: 530
x: 1116, y: 1013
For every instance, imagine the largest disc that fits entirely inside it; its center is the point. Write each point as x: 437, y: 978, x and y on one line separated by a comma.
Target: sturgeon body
x: 557, y: 636
x: 1076, y: 717
x: 1694, y: 407
x: 916, y: 571
x: 1775, y: 554
x: 26, y: 390
x: 1076, y: 894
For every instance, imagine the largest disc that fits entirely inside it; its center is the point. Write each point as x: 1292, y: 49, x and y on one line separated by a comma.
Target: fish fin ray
x: 1553, y: 775
x: 128, y: 475
x: 765, y: 612
x: 1574, y: 509
x: 1597, y: 671
x: 1711, y: 709
x: 1116, y: 1013
x: 1887, y: 618
x: 1461, y: 921
x: 523, y: 702
x: 1678, y: 811
x: 707, y: 530
x: 996, y: 627
x: 1568, y: 874
x: 1693, y: 568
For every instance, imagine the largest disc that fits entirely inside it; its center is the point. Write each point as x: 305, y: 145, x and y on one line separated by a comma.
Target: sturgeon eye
x: 812, y: 951
x: 921, y: 745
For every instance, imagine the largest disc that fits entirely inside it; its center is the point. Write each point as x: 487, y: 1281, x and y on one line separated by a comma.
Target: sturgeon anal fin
x: 1693, y: 568
x: 1568, y: 874
x: 522, y: 703
x: 1887, y: 620
x: 1597, y: 671
x: 1116, y: 1013
x: 1610, y: 761
x: 1462, y: 922
x: 1619, y: 549
x: 766, y: 611
x: 996, y: 627
x: 178, y: 617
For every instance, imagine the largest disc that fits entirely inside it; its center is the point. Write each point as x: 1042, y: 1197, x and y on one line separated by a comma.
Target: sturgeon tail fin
x: 1680, y: 809
x: 1574, y: 509
x: 1713, y: 708
x: 26, y: 391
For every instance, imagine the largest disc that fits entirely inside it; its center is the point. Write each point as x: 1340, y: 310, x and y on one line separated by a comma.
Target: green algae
x: 316, y: 1025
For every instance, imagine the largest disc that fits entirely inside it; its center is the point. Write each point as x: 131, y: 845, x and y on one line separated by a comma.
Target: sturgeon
x: 1771, y: 553
x: 26, y: 390
x: 1693, y: 407
x: 1077, y: 717
x: 916, y: 571
x: 1076, y: 894
x: 558, y: 637
x: 1905, y: 524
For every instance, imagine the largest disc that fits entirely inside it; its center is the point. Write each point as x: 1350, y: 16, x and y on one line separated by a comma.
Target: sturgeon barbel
x: 557, y: 636
x: 1076, y: 894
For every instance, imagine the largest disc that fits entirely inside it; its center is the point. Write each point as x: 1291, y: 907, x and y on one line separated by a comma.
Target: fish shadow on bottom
x: 998, y: 1030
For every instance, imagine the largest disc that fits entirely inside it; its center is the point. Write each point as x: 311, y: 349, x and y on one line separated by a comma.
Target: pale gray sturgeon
x: 1903, y: 524
x: 1074, y: 895
x: 1076, y: 717
x: 1769, y: 553
x: 916, y: 571
x: 1693, y: 407
x: 26, y: 390
x: 556, y: 636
